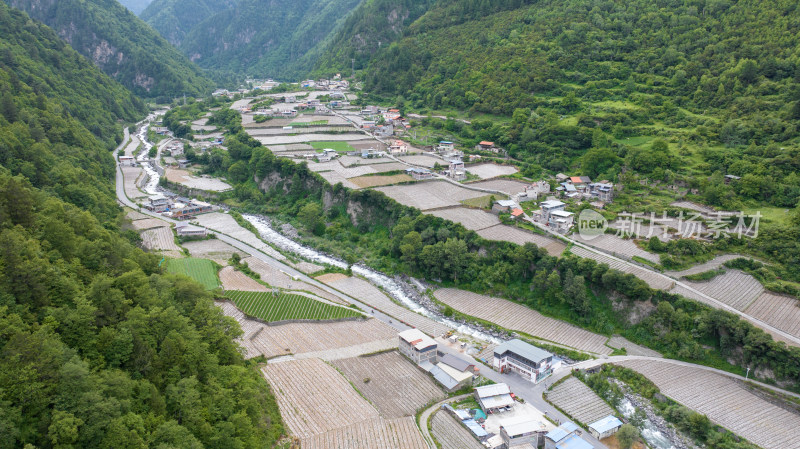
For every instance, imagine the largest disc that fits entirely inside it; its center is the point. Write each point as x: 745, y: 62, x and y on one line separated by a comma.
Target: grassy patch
x: 483, y: 202
x: 342, y: 147
x: 284, y: 306
x: 203, y: 271
x: 705, y: 275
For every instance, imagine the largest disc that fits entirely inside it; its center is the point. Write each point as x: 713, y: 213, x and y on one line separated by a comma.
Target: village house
x: 549, y: 206
x: 485, y: 145
x: 419, y: 174
x: 530, y: 362
x: 456, y: 170
x: 525, y: 434
x: 503, y: 206
x: 184, y: 208
x: 602, y: 191
x: 566, y: 436
x: 494, y: 398
x: 417, y: 346
x: 369, y: 110
x: 445, y: 146
x: 517, y: 213
x: 605, y: 427
x: 533, y: 191
x: 581, y: 183
x: 451, y: 372
x: 398, y: 147
x: 186, y: 230
x: 158, y: 203
x: 127, y: 160
x: 470, y: 423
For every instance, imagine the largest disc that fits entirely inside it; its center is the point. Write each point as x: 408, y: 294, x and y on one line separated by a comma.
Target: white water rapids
x: 376, y: 278
x: 153, y: 176
x: 650, y: 433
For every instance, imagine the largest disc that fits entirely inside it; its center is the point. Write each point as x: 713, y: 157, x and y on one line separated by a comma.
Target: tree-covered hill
x: 265, y: 38
x: 173, y: 19
x: 98, y: 349
x: 136, y: 6
x: 120, y: 44
x: 372, y: 25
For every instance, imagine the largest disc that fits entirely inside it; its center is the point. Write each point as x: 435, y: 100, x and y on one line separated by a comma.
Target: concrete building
x: 159, y: 203
x: 185, y: 208
x: 503, y: 206
x: 605, y: 427
x: 418, y: 346
x: 494, y: 398
x: 549, y: 206
x: 186, y: 230
x: 456, y: 171
x: 530, y: 362
x: 446, y: 146
x: 419, y: 174
x: 603, y: 191
x: 561, y: 220
x: 529, y: 433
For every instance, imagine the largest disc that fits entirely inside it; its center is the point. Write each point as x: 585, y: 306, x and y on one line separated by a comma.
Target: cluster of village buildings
x: 514, y: 356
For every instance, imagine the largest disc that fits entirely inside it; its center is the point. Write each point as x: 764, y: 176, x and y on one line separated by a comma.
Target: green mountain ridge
x: 99, y: 348
x: 136, y: 6
x: 120, y: 44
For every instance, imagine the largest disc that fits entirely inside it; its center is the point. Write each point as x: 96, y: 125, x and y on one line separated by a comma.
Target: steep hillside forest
x: 136, y: 6
x: 122, y: 45
x: 98, y: 347
x: 262, y: 39
x: 174, y: 19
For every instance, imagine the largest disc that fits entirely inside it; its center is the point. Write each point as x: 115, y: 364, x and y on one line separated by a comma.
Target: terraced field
x: 301, y: 338
x: 149, y: 223
x: 231, y: 279
x: 391, y: 382
x: 377, y: 181
x: 201, y: 270
x: 503, y: 185
x: 712, y: 264
x: 450, y: 433
x: 734, y: 288
x: 186, y: 178
x: 421, y: 160
x: 472, y: 219
x: 267, y: 306
x: 314, y: 398
x: 373, y: 297
x: 129, y: 177
x: 725, y: 401
x: 277, y: 278
x: 625, y: 248
x: 487, y: 171
x: 429, y: 195
x: 653, y: 279
x: 334, y: 178
x: 511, y: 315
x: 213, y: 249
x: 505, y: 233
x: 780, y: 311
x: 579, y: 401
x: 378, y: 433
x: 161, y: 239
x: 225, y: 224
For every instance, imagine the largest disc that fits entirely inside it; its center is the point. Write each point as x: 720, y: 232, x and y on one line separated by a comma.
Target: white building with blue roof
x: 566, y: 436
x: 605, y: 427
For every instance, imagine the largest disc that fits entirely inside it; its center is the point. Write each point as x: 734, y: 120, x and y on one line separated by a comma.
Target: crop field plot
x: 149, y: 223
x: 734, y: 288
x: 160, y: 239
x: 373, y: 297
x: 231, y: 279
x: 314, y: 398
x: 129, y: 177
x: 631, y: 348
x: 377, y: 433
x: 511, y: 315
x: 519, y: 236
x: 310, y: 139
x: 579, y: 401
x: 307, y: 267
x: 487, y: 171
x: 201, y: 270
x: 225, y: 224
x: 422, y: 160
x: 334, y: 178
x: 429, y: 195
x: 267, y: 306
x: 391, y: 382
x: 277, y: 278
x: 320, y: 167
x: 472, y: 219
x: 132, y: 146
x: 782, y: 312
x: 725, y: 401
x: 377, y: 181
x: 339, y: 146
x: 654, y: 280
x: 213, y: 249
x: 133, y: 215
x: 331, y: 340
x: 298, y: 147
x: 618, y: 246
x: 450, y: 433
x: 186, y: 178
x: 348, y: 161
x: 507, y: 186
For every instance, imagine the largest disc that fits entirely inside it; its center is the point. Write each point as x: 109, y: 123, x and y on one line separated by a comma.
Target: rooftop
x: 574, y: 442
x: 522, y: 349
x: 417, y: 339
x: 549, y: 204
x: 444, y: 378
x: 561, y: 213
x: 517, y: 212
x: 523, y: 427
x: 458, y: 376
x: 562, y: 431
x: 456, y: 362
x: 604, y: 425
x: 506, y: 203
x: 492, y: 390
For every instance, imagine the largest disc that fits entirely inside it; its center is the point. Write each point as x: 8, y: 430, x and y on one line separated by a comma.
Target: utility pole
x: 747, y: 374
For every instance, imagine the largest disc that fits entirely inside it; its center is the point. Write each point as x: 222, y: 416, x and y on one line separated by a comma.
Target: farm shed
x: 494, y: 397
x: 503, y: 206
x: 565, y: 437
x: 530, y: 362
x: 524, y: 433
x: 605, y: 427
x: 417, y: 346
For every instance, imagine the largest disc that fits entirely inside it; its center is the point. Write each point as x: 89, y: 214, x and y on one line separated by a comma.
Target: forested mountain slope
x: 120, y: 44
x: 265, y: 38
x: 136, y: 6
x: 173, y: 19
x: 97, y: 348
x: 372, y: 25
